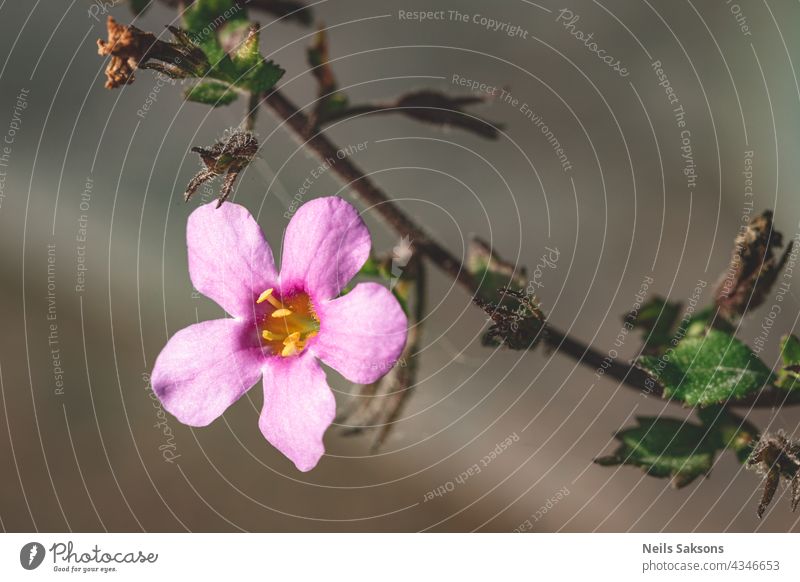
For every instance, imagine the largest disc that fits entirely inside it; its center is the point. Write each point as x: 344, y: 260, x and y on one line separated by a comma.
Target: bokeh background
x: 91, y: 456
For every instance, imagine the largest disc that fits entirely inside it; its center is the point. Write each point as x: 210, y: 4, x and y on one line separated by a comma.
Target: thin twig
x: 251, y: 114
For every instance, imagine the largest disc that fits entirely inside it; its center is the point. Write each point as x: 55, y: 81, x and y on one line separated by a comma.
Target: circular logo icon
x: 31, y: 555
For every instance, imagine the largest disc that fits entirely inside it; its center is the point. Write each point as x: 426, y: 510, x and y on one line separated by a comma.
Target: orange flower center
x: 292, y: 321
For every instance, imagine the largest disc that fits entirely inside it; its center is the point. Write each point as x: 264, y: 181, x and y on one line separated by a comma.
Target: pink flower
x: 281, y: 323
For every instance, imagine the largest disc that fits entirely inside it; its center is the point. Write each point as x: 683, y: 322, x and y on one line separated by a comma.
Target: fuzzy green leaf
x: 665, y: 447
x: 789, y: 374
x: 211, y: 93
x: 260, y: 78
x: 231, y: 44
x: 706, y: 370
x: 204, y: 17
x: 704, y: 320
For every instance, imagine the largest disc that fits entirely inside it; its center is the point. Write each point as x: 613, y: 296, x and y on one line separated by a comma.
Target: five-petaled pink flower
x: 281, y: 323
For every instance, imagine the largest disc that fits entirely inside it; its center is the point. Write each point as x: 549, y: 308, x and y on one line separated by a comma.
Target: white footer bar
x: 401, y: 557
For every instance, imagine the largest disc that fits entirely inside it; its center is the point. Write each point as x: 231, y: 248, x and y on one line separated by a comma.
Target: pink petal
x: 298, y: 408
x: 362, y: 333
x: 205, y: 368
x: 325, y: 245
x: 229, y: 260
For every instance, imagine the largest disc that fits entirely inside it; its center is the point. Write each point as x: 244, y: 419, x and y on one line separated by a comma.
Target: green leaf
x: 790, y: 350
x: 211, y: 93
x: 789, y: 374
x: 260, y: 78
x: 708, y: 369
x: 202, y: 18
x: 704, y: 320
x: 139, y: 6
x: 231, y: 44
x: 665, y: 447
x: 682, y: 450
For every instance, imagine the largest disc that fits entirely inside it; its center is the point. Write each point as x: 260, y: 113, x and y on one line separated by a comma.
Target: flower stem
x: 251, y: 113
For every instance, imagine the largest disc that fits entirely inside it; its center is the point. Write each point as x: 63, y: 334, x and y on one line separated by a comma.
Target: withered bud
x: 519, y: 325
x: 131, y: 48
x: 227, y: 157
x: 777, y: 457
x: 127, y: 46
x: 753, y: 269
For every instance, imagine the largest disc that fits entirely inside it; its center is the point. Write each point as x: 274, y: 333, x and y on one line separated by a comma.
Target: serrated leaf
x: 789, y: 374
x: 262, y: 77
x: 790, y: 350
x: 203, y: 15
x: 211, y: 93
x: 231, y: 44
x: 708, y: 369
x: 204, y: 19
x: 243, y: 65
x: 704, y: 320
x: 665, y: 447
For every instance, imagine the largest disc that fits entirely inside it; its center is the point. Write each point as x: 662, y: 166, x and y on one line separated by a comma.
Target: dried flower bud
x: 131, y: 49
x: 753, y: 269
x: 518, y: 327
x: 127, y: 46
x: 777, y: 458
x: 227, y: 157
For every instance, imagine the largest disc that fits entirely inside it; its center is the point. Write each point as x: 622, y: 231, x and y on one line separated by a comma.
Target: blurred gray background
x: 90, y: 458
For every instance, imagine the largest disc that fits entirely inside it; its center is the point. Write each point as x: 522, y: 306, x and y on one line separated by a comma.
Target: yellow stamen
x: 289, y: 350
x: 269, y: 336
x: 267, y: 296
x: 263, y: 296
x: 289, y: 324
x: 292, y: 338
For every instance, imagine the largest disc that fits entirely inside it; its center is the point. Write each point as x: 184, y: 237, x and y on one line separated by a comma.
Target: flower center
x: 290, y: 324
